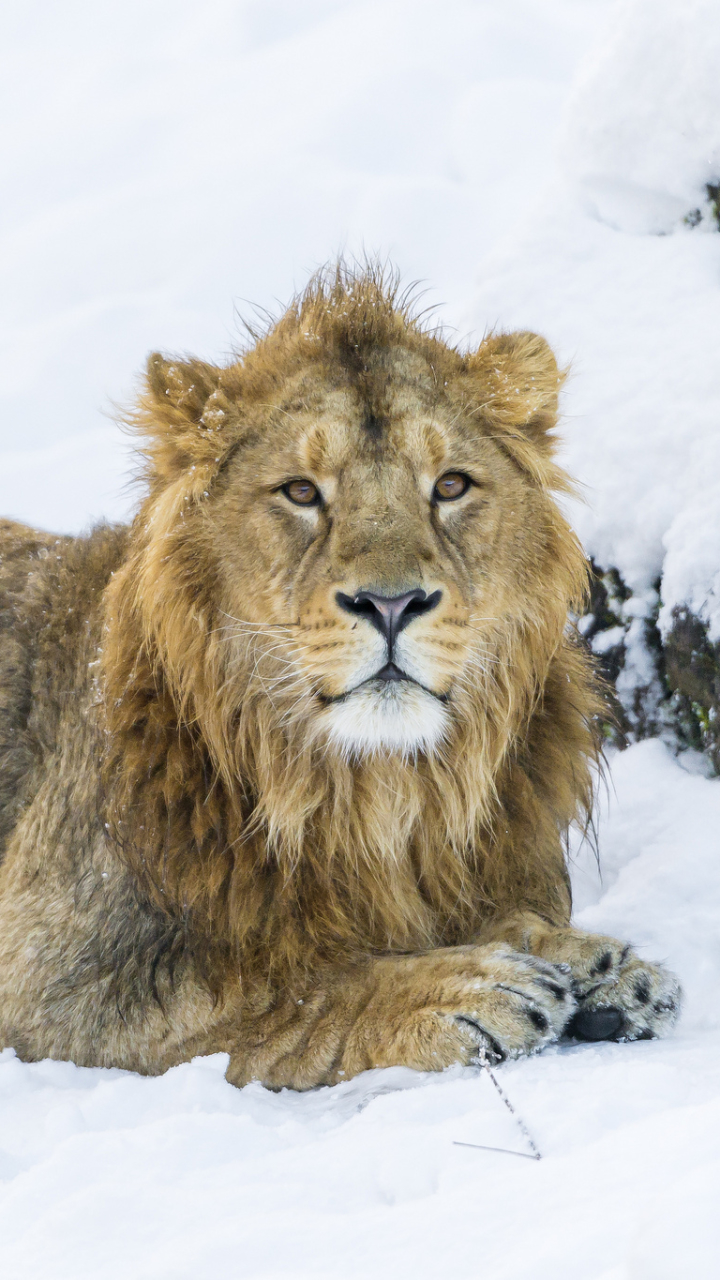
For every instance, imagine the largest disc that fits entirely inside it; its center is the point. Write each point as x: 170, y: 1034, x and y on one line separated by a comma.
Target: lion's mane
x: 223, y: 798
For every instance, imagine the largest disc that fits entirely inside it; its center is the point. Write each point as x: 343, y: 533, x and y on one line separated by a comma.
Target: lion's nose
x: 389, y: 614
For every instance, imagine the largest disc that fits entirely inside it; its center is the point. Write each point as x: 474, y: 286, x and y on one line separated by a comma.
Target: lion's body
x: 220, y: 828
x: 77, y: 943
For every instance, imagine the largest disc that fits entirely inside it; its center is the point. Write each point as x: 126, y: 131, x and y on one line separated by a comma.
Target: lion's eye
x: 450, y: 486
x: 302, y: 492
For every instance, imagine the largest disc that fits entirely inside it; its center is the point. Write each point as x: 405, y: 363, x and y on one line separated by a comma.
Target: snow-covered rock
x: 619, y: 266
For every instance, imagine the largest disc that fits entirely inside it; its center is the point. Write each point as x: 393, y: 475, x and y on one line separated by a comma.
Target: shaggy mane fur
x: 222, y: 797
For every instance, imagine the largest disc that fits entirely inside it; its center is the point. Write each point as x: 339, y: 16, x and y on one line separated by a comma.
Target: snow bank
x: 643, y: 138
x: 629, y: 294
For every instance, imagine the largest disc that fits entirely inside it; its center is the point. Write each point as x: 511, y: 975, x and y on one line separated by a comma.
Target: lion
x: 288, y: 764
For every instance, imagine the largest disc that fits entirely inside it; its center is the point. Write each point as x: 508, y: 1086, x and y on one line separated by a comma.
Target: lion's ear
x: 183, y: 412
x: 521, y: 375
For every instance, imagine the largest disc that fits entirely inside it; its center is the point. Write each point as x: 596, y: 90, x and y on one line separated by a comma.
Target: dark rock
x: 713, y: 191
x: 692, y: 676
x: 674, y: 690
x: 710, y: 210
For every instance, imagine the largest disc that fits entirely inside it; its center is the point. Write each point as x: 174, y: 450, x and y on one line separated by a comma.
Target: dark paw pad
x: 596, y: 1024
x: 642, y: 989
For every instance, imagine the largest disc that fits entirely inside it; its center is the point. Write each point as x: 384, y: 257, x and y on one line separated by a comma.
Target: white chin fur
x: 396, y: 717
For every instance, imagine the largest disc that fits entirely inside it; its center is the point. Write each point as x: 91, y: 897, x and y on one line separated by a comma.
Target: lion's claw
x: 522, y: 1006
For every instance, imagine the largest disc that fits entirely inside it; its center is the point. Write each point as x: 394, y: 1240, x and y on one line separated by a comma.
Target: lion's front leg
x: 452, y: 1005
x: 619, y: 996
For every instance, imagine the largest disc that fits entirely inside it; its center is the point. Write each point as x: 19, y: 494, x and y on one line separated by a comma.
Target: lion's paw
x: 620, y: 996
x: 521, y: 1009
x: 463, y: 1005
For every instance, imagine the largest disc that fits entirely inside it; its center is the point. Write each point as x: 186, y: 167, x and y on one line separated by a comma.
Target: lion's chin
x: 394, y: 717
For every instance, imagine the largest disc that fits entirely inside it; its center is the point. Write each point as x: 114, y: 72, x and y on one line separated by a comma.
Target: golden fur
x: 289, y: 880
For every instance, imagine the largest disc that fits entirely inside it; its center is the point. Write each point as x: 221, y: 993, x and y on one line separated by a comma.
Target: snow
x: 642, y: 139
x: 170, y: 164
x: 534, y: 162
x: 627, y: 292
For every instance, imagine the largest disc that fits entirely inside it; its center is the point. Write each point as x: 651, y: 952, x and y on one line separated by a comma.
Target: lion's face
x: 368, y: 537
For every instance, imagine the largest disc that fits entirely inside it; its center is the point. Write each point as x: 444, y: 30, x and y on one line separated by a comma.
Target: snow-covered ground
x: 533, y: 161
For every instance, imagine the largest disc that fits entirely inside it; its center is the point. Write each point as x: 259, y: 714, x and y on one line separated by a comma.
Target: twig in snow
x: 504, y: 1151
x: 519, y: 1122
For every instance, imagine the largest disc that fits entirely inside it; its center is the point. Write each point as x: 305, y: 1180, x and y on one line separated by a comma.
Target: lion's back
x: 50, y: 587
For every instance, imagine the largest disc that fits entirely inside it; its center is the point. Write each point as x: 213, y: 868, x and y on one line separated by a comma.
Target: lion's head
x: 350, y: 572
